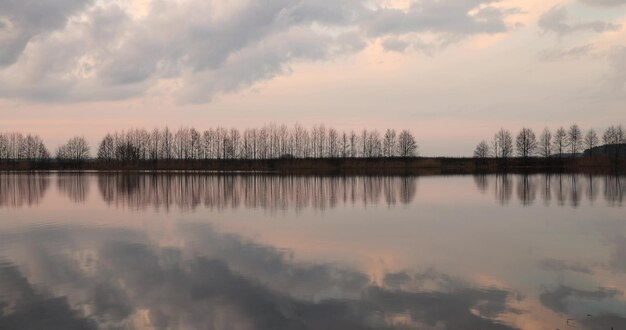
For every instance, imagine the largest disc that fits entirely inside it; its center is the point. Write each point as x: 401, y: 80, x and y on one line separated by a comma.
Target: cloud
x: 557, y: 20
x: 564, y: 54
x: 557, y: 299
x: 21, y: 21
x: 561, y: 265
x: 451, y: 17
x: 84, y: 50
x: 605, y: 3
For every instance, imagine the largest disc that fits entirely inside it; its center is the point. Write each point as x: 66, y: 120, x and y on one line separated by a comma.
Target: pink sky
x: 451, y: 72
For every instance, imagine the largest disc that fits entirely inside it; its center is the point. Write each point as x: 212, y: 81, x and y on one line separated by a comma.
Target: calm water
x: 268, y: 252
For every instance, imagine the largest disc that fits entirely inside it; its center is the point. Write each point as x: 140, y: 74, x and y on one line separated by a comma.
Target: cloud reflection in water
x: 214, y: 280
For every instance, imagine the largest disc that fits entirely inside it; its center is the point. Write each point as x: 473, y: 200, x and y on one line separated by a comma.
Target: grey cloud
x: 605, y: 3
x: 396, y: 279
x: 437, y: 16
x: 109, y: 55
x: 401, y: 45
x: 395, y: 44
x: 568, y: 53
x: 557, y: 20
x: 23, y: 20
x: 561, y: 265
x: 557, y: 299
x: 265, y: 61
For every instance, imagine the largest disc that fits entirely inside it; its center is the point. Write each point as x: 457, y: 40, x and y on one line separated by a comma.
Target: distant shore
x: 341, y: 166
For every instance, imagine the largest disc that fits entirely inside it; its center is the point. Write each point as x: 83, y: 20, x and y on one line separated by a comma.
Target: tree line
x: 16, y: 145
x: 268, y: 142
x: 562, y: 142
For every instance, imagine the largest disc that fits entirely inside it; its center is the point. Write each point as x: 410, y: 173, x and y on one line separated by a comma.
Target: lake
x: 202, y: 251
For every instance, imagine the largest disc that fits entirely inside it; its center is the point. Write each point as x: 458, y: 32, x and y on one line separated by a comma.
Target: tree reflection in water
x: 275, y: 192
x: 566, y: 189
x: 18, y: 190
x: 252, y: 191
x: 74, y: 185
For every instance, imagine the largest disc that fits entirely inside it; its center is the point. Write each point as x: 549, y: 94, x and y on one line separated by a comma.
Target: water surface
x: 85, y: 251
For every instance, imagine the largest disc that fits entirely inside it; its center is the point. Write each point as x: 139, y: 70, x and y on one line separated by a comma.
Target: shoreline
x: 332, y: 166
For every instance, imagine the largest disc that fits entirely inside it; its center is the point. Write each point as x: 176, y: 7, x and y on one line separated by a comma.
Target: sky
x: 451, y: 71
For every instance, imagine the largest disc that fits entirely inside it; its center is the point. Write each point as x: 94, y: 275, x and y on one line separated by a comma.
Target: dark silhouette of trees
x: 545, y: 143
x: 614, y: 135
x: 389, y: 143
x: 574, y: 139
x: 526, y: 143
x: 502, y: 144
x: 268, y: 142
x: 559, y: 142
x: 407, y: 146
x: 16, y: 146
x: 106, y: 150
x: 591, y: 140
x: 76, y: 149
x: 482, y: 150
x: 571, y: 142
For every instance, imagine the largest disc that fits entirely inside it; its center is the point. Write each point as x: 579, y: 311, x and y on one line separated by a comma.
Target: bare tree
x: 13, y: 145
x: 195, y: 144
x: 43, y: 153
x: 33, y: 149
x: 155, y: 144
x: 526, y: 143
x: 375, y: 145
x: 614, y: 135
x: 591, y: 140
x: 560, y: 141
x: 333, y: 143
x: 574, y: 139
x: 545, y: 143
x: 389, y: 143
x: 372, y: 146
x: 354, y: 140
x: 263, y: 143
x: 233, y: 148
x: 76, y: 149
x: 106, y: 150
x: 482, y: 150
x: 503, y: 144
x: 407, y: 145
x: 318, y: 139
x: 4, y: 147
x: 246, y: 144
x: 284, y: 143
x: 167, y: 143
x: 16, y: 146
x: 344, y: 145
